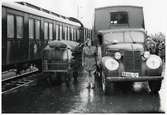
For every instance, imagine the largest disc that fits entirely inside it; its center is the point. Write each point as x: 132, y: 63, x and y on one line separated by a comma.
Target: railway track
x: 18, y: 81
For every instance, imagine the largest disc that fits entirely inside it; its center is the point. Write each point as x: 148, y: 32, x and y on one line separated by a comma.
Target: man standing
x: 89, y: 62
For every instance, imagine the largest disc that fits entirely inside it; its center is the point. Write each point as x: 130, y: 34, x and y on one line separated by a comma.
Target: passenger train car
x: 26, y: 30
x: 122, y: 48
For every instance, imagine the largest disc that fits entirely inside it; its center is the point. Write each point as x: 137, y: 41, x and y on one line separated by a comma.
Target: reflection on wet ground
x: 76, y: 98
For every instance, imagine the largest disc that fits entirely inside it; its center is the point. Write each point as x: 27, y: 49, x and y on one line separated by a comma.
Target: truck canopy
x: 116, y: 17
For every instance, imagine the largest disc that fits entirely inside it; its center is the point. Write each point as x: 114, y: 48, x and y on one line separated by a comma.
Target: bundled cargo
x: 59, y: 50
x: 63, y: 44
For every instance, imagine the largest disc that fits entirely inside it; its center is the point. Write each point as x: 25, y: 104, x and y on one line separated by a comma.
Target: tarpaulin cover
x: 59, y: 50
x: 63, y: 44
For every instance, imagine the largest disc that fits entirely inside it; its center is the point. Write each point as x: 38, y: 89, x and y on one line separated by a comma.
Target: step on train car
x: 124, y: 57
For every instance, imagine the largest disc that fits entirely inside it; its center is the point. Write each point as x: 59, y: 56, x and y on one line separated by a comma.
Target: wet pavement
x: 76, y: 98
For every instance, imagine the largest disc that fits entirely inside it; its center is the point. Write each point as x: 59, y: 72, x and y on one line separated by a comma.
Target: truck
x: 122, y: 43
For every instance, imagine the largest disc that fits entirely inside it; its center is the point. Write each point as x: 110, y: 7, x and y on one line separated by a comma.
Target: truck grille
x: 132, y: 61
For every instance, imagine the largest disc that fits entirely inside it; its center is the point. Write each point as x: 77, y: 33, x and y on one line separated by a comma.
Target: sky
x: 154, y: 10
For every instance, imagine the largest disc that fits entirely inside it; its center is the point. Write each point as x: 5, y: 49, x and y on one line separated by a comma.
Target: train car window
x: 78, y: 35
x: 45, y: 30
x: 50, y: 31
x: 86, y: 33
x: 60, y: 37
x: 65, y: 30
x: 83, y: 34
x: 10, y: 26
x: 68, y: 31
x: 119, y: 18
x: 89, y: 33
x: 63, y: 33
x: 19, y: 25
x: 74, y: 32
x: 37, y: 29
x: 31, y: 28
x: 72, y: 37
x: 57, y: 32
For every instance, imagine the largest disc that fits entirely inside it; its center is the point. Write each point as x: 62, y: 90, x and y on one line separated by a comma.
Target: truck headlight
x: 117, y: 55
x: 110, y: 63
x: 154, y: 62
x: 146, y: 54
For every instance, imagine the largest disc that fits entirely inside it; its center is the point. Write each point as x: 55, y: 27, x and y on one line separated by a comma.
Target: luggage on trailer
x: 63, y: 44
x: 61, y: 50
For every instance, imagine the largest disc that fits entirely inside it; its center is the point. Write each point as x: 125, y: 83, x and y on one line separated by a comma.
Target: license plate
x: 130, y: 74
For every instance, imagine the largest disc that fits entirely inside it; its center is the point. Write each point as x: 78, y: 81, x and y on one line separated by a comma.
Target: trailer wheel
x: 75, y: 76
x: 49, y: 78
x: 155, y: 85
x: 67, y: 78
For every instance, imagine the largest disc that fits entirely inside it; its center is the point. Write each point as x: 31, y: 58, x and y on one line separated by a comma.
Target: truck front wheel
x: 105, y: 87
x: 155, y: 85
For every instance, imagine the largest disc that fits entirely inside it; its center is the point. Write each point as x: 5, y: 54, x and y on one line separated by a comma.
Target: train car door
x: 35, y: 37
x: 4, y: 38
x: 48, y: 26
x: 17, y: 47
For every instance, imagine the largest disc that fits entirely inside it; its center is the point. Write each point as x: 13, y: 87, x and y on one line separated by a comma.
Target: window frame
x: 68, y: 33
x: 60, y: 31
x: 31, y: 28
x: 72, y: 35
x: 14, y: 28
x: 50, y: 23
x: 65, y: 32
x: 78, y: 34
x: 47, y: 35
x: 37, y: 20
x: 22, y: 29
x: 115, y: 22
x: 57, y: 31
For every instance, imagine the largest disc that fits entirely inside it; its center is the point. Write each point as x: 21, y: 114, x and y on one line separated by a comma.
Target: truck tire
x: 105, y: 87
x: 155, y: 85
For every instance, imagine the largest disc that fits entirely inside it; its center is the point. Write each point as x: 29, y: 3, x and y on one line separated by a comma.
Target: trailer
x: 57, y: 58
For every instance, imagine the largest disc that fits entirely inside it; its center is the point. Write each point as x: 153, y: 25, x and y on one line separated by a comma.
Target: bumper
x: 138, y: 79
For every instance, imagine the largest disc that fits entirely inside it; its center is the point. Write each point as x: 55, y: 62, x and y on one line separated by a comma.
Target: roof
x: 27, y: 9
x: 117, y: 6
x: 121, y: 30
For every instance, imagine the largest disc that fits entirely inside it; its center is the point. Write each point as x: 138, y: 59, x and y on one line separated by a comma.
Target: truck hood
x: 126, y: 46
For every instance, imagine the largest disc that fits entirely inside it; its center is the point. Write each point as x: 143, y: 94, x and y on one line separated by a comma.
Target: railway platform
x: 76, y: 98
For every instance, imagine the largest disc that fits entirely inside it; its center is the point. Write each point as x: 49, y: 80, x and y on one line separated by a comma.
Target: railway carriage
x: 124, y: 56
x: 26, y: 30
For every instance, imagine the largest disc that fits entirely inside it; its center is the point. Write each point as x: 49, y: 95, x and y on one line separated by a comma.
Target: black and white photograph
x: 83, y: 56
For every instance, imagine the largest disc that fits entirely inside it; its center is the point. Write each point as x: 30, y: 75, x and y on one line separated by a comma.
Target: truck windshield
x: 124, y: 37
